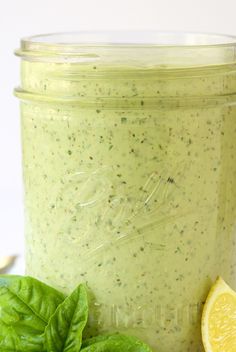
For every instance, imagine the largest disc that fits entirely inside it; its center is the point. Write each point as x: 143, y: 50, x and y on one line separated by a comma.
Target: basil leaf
x: 114, y: 343
x: 65, y: 327
x: 25, y: 308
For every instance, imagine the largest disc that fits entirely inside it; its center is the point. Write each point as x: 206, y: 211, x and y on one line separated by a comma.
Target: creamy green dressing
x: 135, y: 197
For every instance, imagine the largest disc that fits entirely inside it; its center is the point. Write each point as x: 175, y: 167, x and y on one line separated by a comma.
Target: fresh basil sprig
x: 26, y: 306
x: 65, y: 327
x: 114, y: 343
x: 35, y: 317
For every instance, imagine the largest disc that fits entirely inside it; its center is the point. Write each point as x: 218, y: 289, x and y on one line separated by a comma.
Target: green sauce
x: 134, y: 196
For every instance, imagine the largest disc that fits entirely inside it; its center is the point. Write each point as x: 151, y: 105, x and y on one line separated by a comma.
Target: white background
x: 19, y: 18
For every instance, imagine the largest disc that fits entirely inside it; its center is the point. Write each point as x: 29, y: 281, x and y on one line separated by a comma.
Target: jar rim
x: 145, y: 48
x: 210, y: 56
x: 128, y: 38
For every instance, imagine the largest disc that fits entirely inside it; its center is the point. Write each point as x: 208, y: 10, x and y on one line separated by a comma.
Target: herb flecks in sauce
x: 137, y: 200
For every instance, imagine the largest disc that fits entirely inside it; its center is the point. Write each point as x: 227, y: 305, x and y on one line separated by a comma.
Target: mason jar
x: 129, y: 161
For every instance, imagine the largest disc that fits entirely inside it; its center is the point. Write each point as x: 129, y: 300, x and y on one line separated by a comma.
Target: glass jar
x: 129, y: 147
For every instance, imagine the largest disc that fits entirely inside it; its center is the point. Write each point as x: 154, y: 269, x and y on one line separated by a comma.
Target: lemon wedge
x: 219, y: 319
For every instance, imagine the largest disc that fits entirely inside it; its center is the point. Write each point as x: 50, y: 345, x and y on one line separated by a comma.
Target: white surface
x: 20, y: 18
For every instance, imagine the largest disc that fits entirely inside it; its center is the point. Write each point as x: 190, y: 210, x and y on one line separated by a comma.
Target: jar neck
x: 120, y: 85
